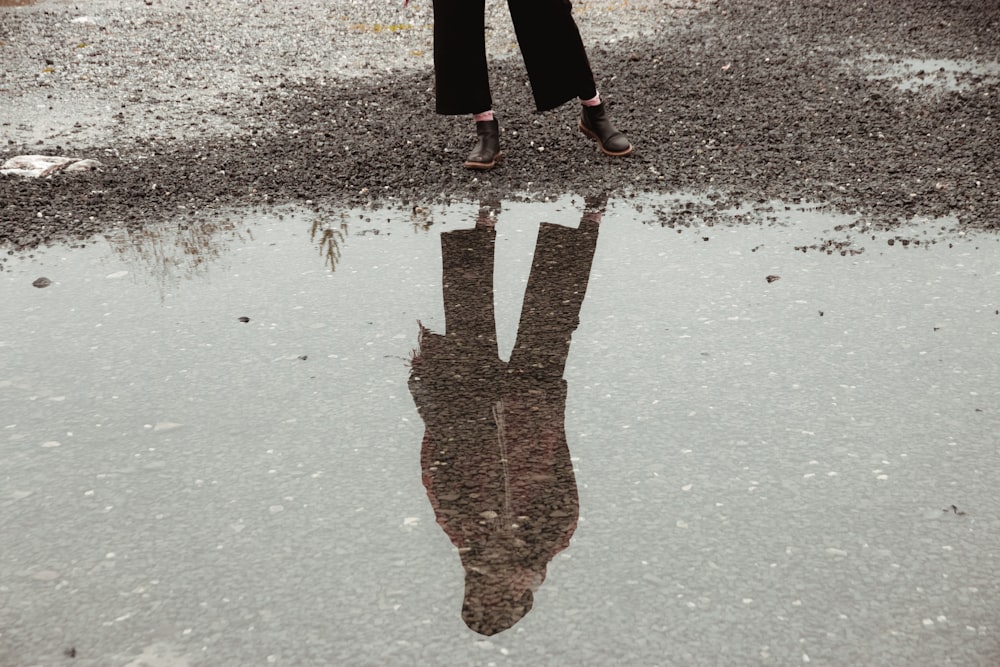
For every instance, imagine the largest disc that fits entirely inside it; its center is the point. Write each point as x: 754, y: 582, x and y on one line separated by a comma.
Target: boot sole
x: 592, y: 135
x: 483, y: 166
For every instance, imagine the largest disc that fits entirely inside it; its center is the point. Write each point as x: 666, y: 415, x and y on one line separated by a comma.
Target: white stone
x: 38, y: 166
x: 165, y: 426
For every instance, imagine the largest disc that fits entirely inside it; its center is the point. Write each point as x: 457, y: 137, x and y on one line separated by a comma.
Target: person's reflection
x: 495, y: 461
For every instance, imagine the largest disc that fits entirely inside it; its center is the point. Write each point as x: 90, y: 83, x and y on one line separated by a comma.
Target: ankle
x: 591, y: 102
x: 484, y: 116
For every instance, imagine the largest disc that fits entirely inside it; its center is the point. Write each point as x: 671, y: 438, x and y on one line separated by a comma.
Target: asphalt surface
x: 194, y: 109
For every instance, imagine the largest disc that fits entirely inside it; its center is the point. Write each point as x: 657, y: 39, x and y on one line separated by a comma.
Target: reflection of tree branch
x: 329, y: 241
x: 174, y: 251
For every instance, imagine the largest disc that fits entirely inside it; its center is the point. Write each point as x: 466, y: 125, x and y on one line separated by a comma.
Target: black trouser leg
x: 553, y: 51
x: 461, y: 79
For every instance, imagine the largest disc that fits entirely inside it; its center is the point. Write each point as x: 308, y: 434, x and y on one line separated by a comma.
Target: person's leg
x: 553, y: 51
x: 461, y: 79
x: 559, y: 69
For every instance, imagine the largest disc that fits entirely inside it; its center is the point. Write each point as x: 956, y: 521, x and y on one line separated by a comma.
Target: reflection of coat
x: 494, y: 458
x: 497, y: 469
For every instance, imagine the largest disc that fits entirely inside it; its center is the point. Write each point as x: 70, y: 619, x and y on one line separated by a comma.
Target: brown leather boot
x: 595, y: 124
x: 487, y: 151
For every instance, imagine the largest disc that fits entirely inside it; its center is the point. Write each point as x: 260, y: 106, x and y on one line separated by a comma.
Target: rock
x: 37, y: 166
x: 42, y: 282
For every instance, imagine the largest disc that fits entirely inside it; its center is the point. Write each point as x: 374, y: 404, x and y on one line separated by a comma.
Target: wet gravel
x: 198, y: 110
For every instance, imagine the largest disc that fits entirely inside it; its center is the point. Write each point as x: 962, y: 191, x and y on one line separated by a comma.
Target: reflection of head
x: 493, y: 603
x: 498, y: 594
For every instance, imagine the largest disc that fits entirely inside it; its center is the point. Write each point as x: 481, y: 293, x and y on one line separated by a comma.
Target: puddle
x: 933, y: 73
x: 644, y: 437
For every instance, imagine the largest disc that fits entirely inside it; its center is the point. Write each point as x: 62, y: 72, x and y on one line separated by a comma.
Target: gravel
x: 196, y: 108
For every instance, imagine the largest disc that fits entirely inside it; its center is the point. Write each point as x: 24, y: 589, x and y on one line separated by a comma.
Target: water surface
x: 781, y: 455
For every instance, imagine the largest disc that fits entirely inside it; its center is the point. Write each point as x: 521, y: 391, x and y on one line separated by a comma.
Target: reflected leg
x: 557, y: 285
x: 467, y: 277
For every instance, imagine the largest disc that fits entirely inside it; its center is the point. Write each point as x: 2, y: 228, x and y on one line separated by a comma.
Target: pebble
x: 39, y: 166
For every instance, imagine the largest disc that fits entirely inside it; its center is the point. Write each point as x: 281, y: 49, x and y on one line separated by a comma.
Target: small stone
x: 42, y: 282
x: 159, y: 427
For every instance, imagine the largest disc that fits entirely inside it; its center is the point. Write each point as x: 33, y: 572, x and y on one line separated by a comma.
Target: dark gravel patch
x: 751, y: 100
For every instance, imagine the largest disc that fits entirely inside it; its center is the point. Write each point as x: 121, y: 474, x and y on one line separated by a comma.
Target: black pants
x: 550, y: 44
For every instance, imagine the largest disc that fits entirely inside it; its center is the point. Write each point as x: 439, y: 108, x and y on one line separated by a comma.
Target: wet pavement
x: 515, y: 433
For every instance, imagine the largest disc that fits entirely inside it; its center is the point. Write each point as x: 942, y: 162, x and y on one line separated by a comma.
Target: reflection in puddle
x: 750, y: 455
x: 184, y: 250
x: 328, y: 240
x: 495, y: 461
